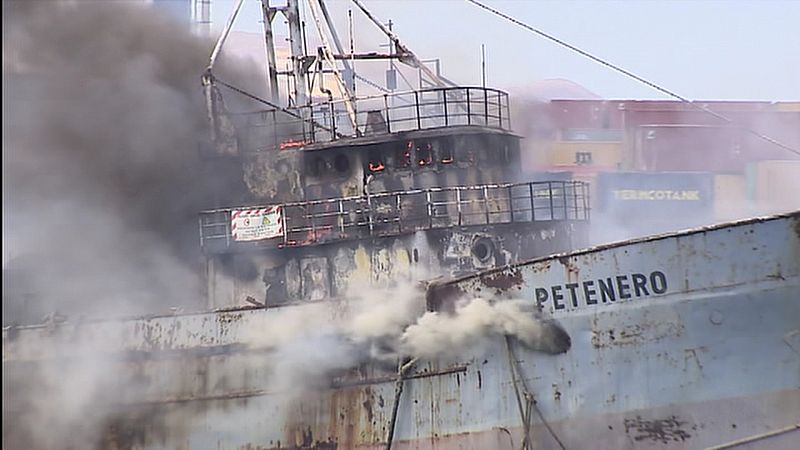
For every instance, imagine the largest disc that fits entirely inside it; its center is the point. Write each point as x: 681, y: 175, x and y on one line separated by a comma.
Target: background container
x: 651, y: 202
x: 730, y: 197
x: 774, y: 186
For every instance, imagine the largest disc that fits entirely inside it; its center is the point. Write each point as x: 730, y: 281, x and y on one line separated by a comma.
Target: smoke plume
x: 381, y: 326
x: 102, y: 183
x: 101, y: 173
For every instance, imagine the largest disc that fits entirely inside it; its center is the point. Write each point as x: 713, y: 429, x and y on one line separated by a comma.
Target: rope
x: 631, y: 75
x: 530, y: 401
x: 402, y: 369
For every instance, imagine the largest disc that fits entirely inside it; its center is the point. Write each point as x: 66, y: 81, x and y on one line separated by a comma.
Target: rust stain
x: 443, y: 297
x: 636, y: 334
x: 367, y: 404
x: 671, y: 429
x: 542, y: 266
x: 570, y: 265
x: 503, y: 280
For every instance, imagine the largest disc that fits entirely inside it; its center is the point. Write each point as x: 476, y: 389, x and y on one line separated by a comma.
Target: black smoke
x: 102, y: 178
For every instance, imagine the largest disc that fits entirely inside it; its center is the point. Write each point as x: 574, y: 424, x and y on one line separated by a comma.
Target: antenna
x: 483, y: 66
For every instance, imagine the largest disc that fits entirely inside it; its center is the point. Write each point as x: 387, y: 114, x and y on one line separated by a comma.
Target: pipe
x: 398, y: 391
x: 756, y: 437
x: 224, y: 35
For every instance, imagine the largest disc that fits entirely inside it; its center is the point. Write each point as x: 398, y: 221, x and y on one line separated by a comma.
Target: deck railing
x: 396, y: 213
x: 375, y: 115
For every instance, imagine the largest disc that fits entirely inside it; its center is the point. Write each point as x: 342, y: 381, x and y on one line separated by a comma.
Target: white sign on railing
x: 256, y: 224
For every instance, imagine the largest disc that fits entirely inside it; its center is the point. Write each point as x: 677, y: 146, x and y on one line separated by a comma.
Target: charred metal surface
x: 503, y: 280
x: 390, y: 378
x: 286, y: 277
x: 555, y: 339
x: 443, y: 297
x: 664, y: 431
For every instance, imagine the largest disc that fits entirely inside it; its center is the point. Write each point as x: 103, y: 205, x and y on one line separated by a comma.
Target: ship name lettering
x: 602, y: 291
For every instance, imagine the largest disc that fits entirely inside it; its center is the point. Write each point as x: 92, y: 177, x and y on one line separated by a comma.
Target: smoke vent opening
x: 483, y: 249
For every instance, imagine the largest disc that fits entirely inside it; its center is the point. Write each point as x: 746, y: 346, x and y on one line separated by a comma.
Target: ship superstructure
x: 427, y: 179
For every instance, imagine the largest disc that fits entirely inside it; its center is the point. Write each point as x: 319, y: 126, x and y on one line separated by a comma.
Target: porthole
x: 483, y: 249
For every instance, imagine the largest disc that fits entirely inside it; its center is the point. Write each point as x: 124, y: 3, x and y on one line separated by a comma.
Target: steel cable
x: 631, y: 75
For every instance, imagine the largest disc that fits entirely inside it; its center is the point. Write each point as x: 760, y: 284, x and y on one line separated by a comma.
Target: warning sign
x: 256, y: 224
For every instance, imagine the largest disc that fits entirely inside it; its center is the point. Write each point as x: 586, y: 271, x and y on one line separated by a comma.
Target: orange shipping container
x: 730, y: 197
x: 775, y: 186
x: 606, y: 155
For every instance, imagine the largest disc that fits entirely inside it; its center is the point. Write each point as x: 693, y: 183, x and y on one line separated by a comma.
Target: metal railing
x: 383, y: 114
x: 395, y: 213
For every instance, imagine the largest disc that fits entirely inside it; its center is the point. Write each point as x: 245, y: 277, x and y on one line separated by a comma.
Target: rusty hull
x: 709, y: 356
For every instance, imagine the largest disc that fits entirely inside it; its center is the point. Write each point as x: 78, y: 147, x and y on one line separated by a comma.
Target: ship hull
x: 700, y: 347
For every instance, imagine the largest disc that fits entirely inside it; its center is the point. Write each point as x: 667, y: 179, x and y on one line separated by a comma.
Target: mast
x: 269, y: 41
x: 296, y: 40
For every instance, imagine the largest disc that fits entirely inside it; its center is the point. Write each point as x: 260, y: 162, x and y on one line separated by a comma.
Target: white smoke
x: 383, y: 325
x: 473, y: 323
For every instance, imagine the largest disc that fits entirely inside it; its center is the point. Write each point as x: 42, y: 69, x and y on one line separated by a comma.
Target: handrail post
x: 444, y: 93
x: 388, y: 119
x: 575, y: 199
x: 533, y: 208
x: 499, y: 111
x: 285, y: 219
x: 510, y: 204
x: 333, y: 121
x: 369, y: 213
x: 341, y: 219
x: 564, y: 194
x: 552, y: 210
x: 430, y: 208
x: 228, y: 236
x: 485, y: 107
x: 486, y: 203
x: 416, y: 103
x: 508, y: 111
x: 399, y: 213
x: 310, y: 215
x: 313, y: 134
x: 469, y: 112
x: 458, y: 204
x: 587, y: 201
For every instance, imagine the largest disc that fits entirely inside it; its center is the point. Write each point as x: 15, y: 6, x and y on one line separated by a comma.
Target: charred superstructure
x: 369, y: 189
x: 430, y: 183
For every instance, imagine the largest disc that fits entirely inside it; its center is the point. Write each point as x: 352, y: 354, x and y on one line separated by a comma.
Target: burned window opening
x: 341, y: 163
x: 446, y: 153
x: 376, y: 161
x: 318, y: 166
x: 424, y: 154
x: 403, y: 159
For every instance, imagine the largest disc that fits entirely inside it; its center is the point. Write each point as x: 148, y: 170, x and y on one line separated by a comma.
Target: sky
x: 709, y: 50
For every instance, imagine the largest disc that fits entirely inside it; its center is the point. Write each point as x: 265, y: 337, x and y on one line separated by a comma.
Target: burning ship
x: 685, y: 340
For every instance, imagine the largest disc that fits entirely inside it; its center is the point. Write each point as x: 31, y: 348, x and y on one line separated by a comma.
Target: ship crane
x: 221, y: 129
